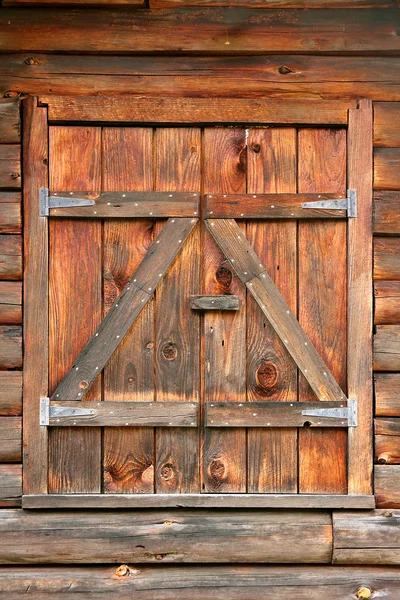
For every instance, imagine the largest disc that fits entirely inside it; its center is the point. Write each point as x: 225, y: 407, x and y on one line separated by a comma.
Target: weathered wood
x: 386, y: 124
x: 387, y: 394
x: 269, y: 414
x: 387, y: 495
x: 387, y: 302
x: 167, y: 536
x: 10, y: 393
x: 10, y: 347
x: 387, y: 212
x: 9, y: 121
x: 194, y: 110
x: 10, y: 485
x: 386, y: 169
x: 10, y: 439
x: 387, y: 348
x: 264, y: 4
x: 11, y: 257
x: 10, y: 166
x: 214, y: 302
x: 10, y: 212
x: 197, y: 30
x: 226, y: 501
x: 387, y: 441
x: 386, y: 258
x: 80, y: 3
x: 117, y: 414
x: 10, y: 303
x: 371, y: 537
x: 131, y: 204
x: 268, y: 206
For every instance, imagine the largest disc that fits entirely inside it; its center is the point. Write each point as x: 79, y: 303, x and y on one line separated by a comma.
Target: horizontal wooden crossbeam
x: 228, y: 302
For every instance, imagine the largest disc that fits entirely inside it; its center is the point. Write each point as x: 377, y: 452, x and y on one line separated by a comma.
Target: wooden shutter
x: 194, y: 295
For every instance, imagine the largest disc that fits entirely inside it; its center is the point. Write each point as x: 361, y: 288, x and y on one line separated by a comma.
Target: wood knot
x: 364, y: 593
x: 256, y: 148
x: 11, y: 94
x: 382, y: 459
x: 15, y: 175
x: 217, y: 469
x: 83, y: 385
x: 284, y: 70
x: 167, y: 471
x: 31, y: 61
x: 267, y: 375
x: 170, y: 351
x: 224, y: 277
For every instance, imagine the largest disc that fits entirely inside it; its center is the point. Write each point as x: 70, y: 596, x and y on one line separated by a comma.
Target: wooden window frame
x: 357, y: 118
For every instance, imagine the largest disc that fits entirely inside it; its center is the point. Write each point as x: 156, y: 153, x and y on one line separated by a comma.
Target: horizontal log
x: 387, y: 124
x: 387, y: 258
x: 185, y: 30
x: 10, y: 346
x: 10, y: 303
x: 387, y: 212
x: 269, y: 4
x: 10, y: 166
x: 387, y: 493
x: 219, y: 582
x: 371, y: 537
x: 10, y: 257
x: 228, y: 302
x: 167, y: 536
x: 387, y: 302
x: 121, y: 414
x: 387, y: 169
x: 10, y: 439
x: 195, y: 110
x: 10, y: 393
x: 9, y: 121
x: 387, y: 394
x: 10, y: 212
x: 271, y: 414
x: 387, y: 441
x: 269, y: 206
x: 91, y: 501
x: 387, y: 348
x: 10, y: 485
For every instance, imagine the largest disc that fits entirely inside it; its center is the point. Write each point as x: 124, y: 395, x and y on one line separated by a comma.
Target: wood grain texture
x: 387, y: 258
x: 10, y: 347
x: 387, y: 394
x: 10, y: 485
x: 214, y: 302
x: 387, y: 495
x: 10, y: 303
x: 10, y: 393
x: 10, y: 439
x: 269, y: 3
x: 10, y: 166
x: 177, y: 327
x: 387, y: 213
x: 129, y: 374
x: 10, y: 122
x: 199, y: 30
x: 387, y: 348
x: 386, y: 125
x: 387, y: 302
x: 11, y: 257
x: 224, y: 468
x: 79, y: 3
x: 387, y: 441
x: 75, y: 257
x: 386, y: 169
x: 322, y: 302
x: 185, y: 536
x: 10, y: 212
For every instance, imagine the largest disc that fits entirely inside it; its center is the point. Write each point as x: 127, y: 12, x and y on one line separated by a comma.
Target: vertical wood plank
x: 225, y: 157
x: 322, y: 303
x: 271, y: 372
x: 359, y: 353
x: 35, y: 383
x: 129, y: 374
x: 178, y: 168
x: 75, y: 295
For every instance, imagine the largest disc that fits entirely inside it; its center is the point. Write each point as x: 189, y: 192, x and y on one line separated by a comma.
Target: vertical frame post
x: 35, y: 374
x: 359, y: 353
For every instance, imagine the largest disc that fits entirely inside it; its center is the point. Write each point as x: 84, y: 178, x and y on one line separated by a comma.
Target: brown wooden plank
x: 386, y: 169
x: 10, y: 212
x: 387, y: 302
x: 10, y: 303
x: 387, y: 212
x: 268, y: 206
x: 130, y: 204
x: 75, y: 302
x: 10, y: 439
x: 386, y: 125
x: 359, y: 275
x: 387, y: 495
x: 10, y: 166
x: 197, y: 30
x: 9, y: 121
x: 387, y: 258
x: 177, y: 328
x: 224, y: 458
x: 322, y: 302
x: 10, y: 347
x: 11, y: 257
x: 128, y: 453
x: 214, y: 302
x: 271, y: 4
x: 117, y: 414
x: 80, y: 3
x: 387, y: 441
x: 195, y: 110
x: 188, y: 536
x: 10, y: 393
x: 387, y: 394
x: 10, y: 485
x: 271, y: 373
x: 387, y: 348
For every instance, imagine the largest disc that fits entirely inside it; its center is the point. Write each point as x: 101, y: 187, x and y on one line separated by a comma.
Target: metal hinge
x: 46, y: 202
x: 349, y: 204
x: 47, y: 411
x: 348, y: 412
